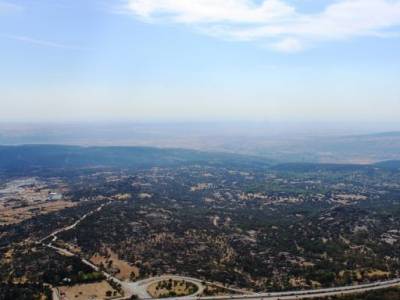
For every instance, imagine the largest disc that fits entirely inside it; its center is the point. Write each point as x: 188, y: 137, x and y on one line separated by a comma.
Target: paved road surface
x: 140, y: 287
x: 308, y: 294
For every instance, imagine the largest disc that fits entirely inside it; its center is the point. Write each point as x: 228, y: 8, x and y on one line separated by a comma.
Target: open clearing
x: 26, y: 211
x: 87, y: 291
x: 121, y: 269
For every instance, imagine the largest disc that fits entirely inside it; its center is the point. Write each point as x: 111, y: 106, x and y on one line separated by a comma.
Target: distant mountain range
x: 30, y: 158
x: 389, y: 134
x: 311, y: 145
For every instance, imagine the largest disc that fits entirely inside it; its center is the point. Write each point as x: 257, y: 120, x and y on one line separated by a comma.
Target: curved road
x: 307, y: 294
x: 140, y: 287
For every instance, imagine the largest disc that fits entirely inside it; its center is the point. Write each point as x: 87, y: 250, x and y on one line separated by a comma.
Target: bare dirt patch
x: 99, y: 290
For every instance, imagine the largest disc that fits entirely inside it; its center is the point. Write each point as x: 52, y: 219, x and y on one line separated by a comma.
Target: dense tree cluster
x: 28, y: 291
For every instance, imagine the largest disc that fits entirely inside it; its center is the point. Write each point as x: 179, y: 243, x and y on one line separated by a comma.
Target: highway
x: 307, y: 294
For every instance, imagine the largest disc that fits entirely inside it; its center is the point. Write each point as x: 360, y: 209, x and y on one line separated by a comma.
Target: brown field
x: 17, y: 215
x: 121, y: 268
x: 378, y: 274
x: 86, y: 291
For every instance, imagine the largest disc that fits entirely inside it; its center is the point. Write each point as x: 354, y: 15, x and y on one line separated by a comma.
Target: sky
x: 200, y: 60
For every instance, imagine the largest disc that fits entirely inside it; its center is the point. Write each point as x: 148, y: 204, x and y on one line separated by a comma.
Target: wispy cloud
x: 42, y: 43
x: 275, y: 22
x: 7, y: 7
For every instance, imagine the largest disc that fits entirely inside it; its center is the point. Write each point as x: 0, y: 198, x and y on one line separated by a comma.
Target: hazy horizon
x: 298, y: 142
x: 135, y: 61
x: 277, y: 78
